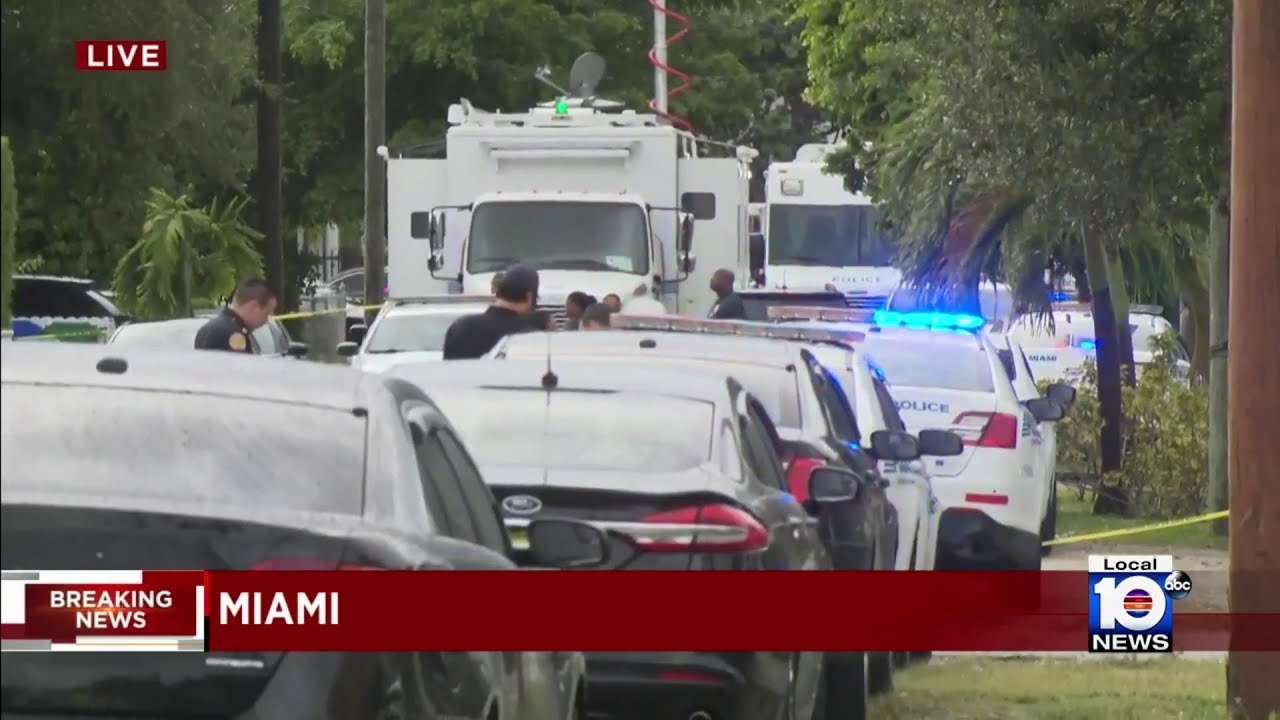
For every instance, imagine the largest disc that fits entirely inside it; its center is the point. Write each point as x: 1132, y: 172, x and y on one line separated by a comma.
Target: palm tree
x: 186, y: 253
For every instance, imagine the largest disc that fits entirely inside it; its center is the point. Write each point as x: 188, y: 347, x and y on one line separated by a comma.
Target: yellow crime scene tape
x: 303, y: 314
x: 1137, y: 530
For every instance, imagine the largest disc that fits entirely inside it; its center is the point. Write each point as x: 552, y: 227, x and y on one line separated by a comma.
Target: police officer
x: 472, y: 336
x: 728, y: 305
x: 230, y: 329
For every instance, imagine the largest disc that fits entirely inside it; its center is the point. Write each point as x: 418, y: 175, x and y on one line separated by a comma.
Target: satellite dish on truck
x: 586, y: 74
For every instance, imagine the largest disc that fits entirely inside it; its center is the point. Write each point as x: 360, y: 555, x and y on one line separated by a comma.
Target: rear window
x: 775, y: 388
x: 918, y: 364
x: 167, y: 446
x: 410, y: 332
x: 581, y: 431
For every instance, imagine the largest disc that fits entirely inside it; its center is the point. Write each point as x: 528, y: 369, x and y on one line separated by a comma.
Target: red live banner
x: 710, y: 611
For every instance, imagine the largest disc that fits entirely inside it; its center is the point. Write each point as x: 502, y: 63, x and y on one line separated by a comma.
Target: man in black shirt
x: 230, y: 329
x: 728, y: 305
x: 473, y: 336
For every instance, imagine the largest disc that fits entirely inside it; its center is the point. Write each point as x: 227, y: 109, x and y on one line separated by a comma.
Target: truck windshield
x: 559, y: 235
x: 827, y: 235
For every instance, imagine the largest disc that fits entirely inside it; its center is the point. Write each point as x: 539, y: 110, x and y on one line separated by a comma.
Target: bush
x: 8, y: 229
x: 1165, y: 466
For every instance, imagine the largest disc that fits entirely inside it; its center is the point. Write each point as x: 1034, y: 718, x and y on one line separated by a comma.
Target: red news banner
x: 600, y: 611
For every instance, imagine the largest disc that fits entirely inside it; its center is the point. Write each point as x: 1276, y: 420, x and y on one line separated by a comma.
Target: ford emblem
x: 522, y: 504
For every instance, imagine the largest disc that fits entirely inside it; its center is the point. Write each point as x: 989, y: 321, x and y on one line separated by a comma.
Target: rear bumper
x: 664, y: 686
x: 972, y: 540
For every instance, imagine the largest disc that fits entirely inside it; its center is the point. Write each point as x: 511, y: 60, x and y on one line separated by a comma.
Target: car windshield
x: 410, y: 332
x: 581, y: 430
x: 914, y: 363
x: 169, y: 446
x: 559, y: 235
x: 181, y: 335
x: 829, y: 235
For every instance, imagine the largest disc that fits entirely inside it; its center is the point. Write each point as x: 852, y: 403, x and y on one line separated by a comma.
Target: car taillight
x: 988, y: 430
x: 305, y: 564
x: 798, y: 476
x: 701, y: 528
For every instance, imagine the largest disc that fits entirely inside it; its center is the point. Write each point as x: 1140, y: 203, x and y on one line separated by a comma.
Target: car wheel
x: 881, y: 673
x: 1049, y: 526
x: 845, y: 684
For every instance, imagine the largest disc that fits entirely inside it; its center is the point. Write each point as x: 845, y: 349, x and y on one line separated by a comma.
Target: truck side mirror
x: 686, y: 234
x: 436, y: 231
x: 755, y: 252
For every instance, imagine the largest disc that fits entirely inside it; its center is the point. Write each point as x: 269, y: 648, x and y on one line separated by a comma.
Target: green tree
x: 8, y: 228
x: 185, y: 254
x: 88, y: 146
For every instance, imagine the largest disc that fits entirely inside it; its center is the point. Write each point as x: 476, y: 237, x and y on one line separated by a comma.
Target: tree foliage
x: 185, y: 254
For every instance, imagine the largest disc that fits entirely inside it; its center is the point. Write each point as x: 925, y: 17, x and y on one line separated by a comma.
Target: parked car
x: 350, y: 284
x: 677, y: 466
x: 64, y: 306
x: 108, y: 465
x: 816, y: 428
x: 271, y: 340
x: 407, y: 330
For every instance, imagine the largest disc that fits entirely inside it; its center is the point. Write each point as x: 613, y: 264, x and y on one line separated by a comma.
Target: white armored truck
x: 596, y: 198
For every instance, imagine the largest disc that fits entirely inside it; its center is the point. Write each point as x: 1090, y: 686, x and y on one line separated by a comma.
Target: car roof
x: 731, y: 349
x: 629, y: 376
x: 206, y: 372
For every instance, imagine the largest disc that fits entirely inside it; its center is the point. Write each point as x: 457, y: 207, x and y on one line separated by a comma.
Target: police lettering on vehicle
x: 924, y: 406
x: 1042, y: 358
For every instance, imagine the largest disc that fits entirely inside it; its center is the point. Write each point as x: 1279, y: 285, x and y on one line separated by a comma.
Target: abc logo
x: 1178, y: 584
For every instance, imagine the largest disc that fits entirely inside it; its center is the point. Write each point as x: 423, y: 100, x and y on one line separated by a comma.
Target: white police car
x: 407, y: 330
x: 945, y: 373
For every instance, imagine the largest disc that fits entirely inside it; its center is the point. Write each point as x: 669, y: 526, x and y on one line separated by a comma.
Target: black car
x: 110, y: 463
x: 678, y: 467
x: 816, y: 429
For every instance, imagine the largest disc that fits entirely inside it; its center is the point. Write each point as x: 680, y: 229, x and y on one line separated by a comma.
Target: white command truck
x: 596, y: 201
x: 819, y: 236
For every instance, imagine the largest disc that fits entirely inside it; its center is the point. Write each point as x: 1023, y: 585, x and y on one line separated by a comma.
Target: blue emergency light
x: 929, y: 320
x: 1061, y: 297
x: 1088, y: 345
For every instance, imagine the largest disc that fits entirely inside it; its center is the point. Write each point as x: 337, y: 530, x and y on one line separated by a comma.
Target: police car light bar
x: 929, y: 320
x: 790, y: 312
x: 732, y: 327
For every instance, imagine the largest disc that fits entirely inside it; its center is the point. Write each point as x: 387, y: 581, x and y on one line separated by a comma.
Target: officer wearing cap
x: 230, y: 329
x: 473, y: 336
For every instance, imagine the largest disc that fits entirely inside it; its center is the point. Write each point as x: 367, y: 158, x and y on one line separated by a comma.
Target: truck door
x: 715, y: 190
x: 415, y: 185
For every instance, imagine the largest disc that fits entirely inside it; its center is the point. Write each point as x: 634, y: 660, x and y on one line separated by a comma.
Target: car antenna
x: 549, y: 380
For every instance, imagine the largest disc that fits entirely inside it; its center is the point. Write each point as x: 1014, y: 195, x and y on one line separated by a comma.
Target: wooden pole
x: 1219, y: 281
x: 375, y: 134
x: 1253, y: 383
x: 270, y: 92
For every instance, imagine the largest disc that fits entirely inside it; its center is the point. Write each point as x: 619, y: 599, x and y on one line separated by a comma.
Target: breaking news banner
x: 395, y: 611
x: 1131, y: 602
x: 122, y: 55
x: 102, y: 610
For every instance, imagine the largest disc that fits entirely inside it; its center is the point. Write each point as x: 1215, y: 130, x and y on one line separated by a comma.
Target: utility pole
x: 375, y: 134
x: 1253, y: 385
x: 270, y: 92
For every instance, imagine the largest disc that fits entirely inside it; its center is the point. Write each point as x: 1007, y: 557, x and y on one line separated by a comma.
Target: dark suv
x: 61, y: 299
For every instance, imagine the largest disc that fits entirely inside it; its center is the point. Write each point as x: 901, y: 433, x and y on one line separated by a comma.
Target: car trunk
x: 924, y: 408
x: 143, y: 684
x: 635, y: 508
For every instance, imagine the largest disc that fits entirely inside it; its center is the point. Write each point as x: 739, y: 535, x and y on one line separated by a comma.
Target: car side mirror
x: 567, y: 544
x: 356, y: 333
x: 894, y: 445
x: 940, y: 443
x: 1046, y: 410
x: 1061, y: 393
x: 297, y: 349
x: 348, y: 349
x: 832, y: 485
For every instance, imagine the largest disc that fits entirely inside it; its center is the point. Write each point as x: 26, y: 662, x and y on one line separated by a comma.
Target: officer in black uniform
x: 473, y: 336
x: 728, y: 305
x: 230, y: 329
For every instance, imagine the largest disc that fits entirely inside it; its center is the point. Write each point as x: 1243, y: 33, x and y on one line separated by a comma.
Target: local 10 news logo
x: 1131, y: 602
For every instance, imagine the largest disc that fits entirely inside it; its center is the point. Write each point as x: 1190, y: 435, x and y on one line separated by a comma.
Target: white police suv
x: 944, y: 372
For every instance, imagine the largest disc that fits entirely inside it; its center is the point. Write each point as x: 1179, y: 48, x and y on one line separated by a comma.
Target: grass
x: 1030, y: 689
x: 1075, y: 517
